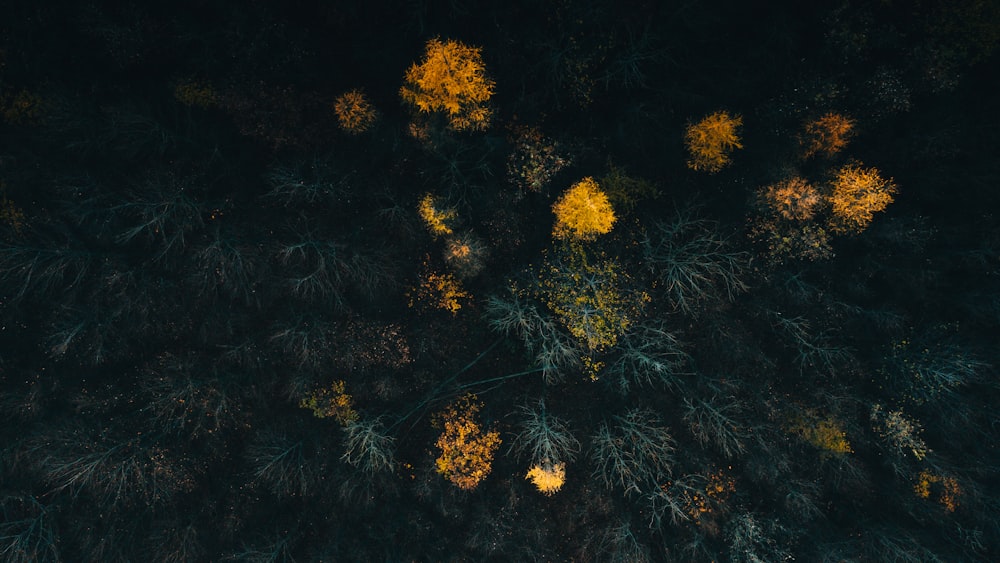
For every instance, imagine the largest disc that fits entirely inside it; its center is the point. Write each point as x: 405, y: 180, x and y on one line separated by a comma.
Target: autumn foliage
x: 826, y: 135
x: 466, y: 449
x: 548, y: 478
x: 451, y: 79
x: 583, y: 212
x: 354, y: 112
x: 711, y: 140
x: 858, y: 193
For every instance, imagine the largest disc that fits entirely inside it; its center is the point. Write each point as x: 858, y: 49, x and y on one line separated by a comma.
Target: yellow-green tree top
x: 451, y: 79
x: 583, y: 212
x: 710, y: 141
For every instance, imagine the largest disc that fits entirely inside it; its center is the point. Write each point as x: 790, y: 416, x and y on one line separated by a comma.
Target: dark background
x: 149, y: 381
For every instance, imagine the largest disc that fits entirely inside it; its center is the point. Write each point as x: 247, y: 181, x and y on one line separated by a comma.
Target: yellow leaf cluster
x: 466, y: 450
x: 946, y: 489
x: 547, y: 477
x: 438, y: 220
x: 858, y: 193
x: 441, y: 291
x: 823, y: 433
x: 332, y: 401
x: 354, y: 112
x: 451, y: 79
x: 590, y: 298
x: 583, y: 212
x: 711, y: 140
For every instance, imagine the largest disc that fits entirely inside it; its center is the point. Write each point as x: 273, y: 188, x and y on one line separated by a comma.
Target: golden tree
x: 548, y: 478
x: 827, y: 135
x: 466, y: 449
x: 711, y: 140
x: 583, y: 212
x: 354, y: 112
x: 451, y: 79
x: 858, y: 193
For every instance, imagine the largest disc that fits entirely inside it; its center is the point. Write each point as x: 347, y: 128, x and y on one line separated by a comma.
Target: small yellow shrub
x: 548, y: 478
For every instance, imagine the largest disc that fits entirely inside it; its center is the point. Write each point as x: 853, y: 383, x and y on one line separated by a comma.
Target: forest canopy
x: 554, y: 280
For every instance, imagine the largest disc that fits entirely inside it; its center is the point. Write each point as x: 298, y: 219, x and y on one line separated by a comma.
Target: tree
x: 466, y: 449
x: 710, y: 141
x: 826, y: 135
x: 451, y: 79
x: 858, y: 193
x: 355, y: 112
x: 583, y: 212
x: 550, y: 445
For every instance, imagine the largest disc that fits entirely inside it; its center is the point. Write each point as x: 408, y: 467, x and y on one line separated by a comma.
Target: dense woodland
x: 556, y: 280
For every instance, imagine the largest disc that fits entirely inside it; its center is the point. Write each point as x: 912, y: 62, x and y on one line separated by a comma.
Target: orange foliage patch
x: 354, y: 112
x: 826, y: 135
x: 858, y: 193
x: 466, y: 450
x: 451, y: 79
x: 711, y: 140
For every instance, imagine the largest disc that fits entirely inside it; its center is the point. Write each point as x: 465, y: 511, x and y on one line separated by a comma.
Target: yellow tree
x: 466, y: 449
x: 451, y: 79
x: 858, y: 193
x: 583, y: 212
x: 711, y: 140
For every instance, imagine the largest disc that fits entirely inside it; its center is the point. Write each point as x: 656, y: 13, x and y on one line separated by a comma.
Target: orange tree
x: 466, y: 449
x: 858, y: 193
x: 710, y: 141
x: 451, y: 79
